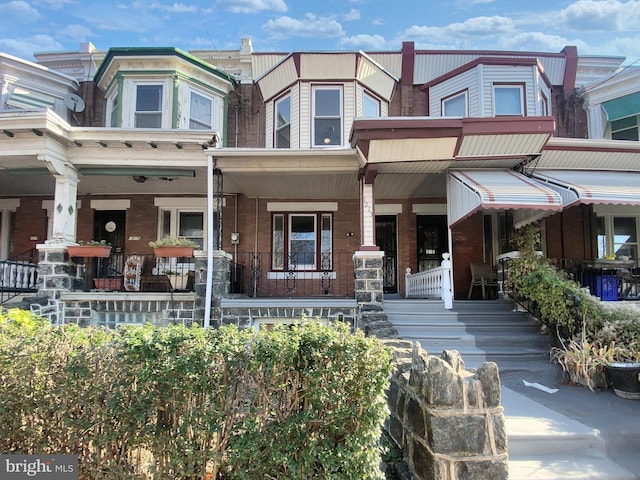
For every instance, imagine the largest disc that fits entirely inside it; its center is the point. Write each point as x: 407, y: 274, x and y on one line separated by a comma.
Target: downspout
x: 209, y: 284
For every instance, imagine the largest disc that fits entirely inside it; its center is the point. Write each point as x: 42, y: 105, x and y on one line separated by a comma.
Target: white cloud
x: 353, y: 14
x: 18, y: 7
x: 24, y: 47
x: 455, y: 33
x: 609, y: 15
x: 252, y: 6
x: 309, y: 26
x: 363, y: 42
x: 76, y: 32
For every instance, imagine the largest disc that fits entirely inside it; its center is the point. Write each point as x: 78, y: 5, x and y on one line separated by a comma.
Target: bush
x: 175, y: 402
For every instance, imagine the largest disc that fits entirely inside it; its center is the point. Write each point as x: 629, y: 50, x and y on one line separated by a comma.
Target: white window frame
x: 374, y: 102
x: 509, y: 86
x: 455, y: 96
x: 163, y: 102
x: 176, y: 205
x: 315, y: 117
x: 212, y: 110
x: 610, y: 240
x: 322, y: 245
x: 278, y: 128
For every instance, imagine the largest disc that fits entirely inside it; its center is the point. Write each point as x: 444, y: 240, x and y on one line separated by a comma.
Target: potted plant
x: 92, y: 248
x: 178, y: 280
x: 173, y: 247
x: 623, y: 374
x: 584, y: 362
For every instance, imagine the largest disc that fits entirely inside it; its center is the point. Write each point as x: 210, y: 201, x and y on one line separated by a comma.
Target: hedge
x: 187, y: 403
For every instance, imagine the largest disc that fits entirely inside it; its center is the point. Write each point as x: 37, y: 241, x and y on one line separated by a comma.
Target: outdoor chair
x: 482, y: 275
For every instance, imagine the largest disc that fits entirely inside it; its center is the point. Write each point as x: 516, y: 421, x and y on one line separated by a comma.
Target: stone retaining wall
x: 448, y: 421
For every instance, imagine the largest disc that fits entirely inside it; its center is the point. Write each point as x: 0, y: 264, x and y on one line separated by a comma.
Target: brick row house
x: 316, y: 180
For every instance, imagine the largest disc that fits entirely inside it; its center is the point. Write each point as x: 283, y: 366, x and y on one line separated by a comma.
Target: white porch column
x: 367, y: 209
x: 65, y: 199
x: 596, y: 121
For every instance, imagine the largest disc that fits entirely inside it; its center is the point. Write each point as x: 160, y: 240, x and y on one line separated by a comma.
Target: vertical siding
x: 391, y: 62
x: 359, y: 100
x: 295, y: 116
x: 269, y: 129
x: 349, y: 110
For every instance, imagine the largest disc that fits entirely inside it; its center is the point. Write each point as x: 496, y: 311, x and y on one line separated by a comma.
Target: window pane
x: 455, y: 106
x: 602, y: 238
x: 325, y: 243
x: 114, y: 112
x: 283, y: 121
x: 327, y: 102
x: 201, y: 112
x: 371, y: 107
x: 624, y: 236
x: 327, y: 132
x: 302, y: 241
x: 146, y: 120
x: 192, y: 227
x: 149, y: 98
x: 508, y: 100
x: 277, y: 262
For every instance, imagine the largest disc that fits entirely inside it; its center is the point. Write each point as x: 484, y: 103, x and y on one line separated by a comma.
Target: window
x: 371, y: 106
x: 508, y: 100
x: 148, y: 106
x: 625, y: 129
x: 617, y: 235
x: 455, y: 106
x: 544, y: 105
x: 327, y: 116
x: 113, y: 111
x: 283, y: 122
x: 302, y: 241
x: 185, y: 223
x: 200, y: 112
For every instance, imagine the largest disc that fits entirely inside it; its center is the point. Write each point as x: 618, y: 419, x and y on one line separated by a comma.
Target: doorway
x: 432, y: 240
x: 387, y: 240
x: 109, y: 225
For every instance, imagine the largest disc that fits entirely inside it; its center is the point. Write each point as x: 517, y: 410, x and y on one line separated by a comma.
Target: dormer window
x: 200, y: 112
x: 508, y: 100
x: 283, y: 123
x: 371, y: 106
x: 327, y: 116
x: 455, y: 105
x: 148, y: 112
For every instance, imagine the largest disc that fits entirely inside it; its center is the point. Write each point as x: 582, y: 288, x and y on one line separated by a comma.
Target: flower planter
x: 178, y: 282
x: 173, y: 251
x: 110, y: 283
x: 625, y: 379
x: 89, y: 250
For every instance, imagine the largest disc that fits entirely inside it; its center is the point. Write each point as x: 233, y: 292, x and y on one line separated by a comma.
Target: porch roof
x: 487, y: 189
x: 592, y: 186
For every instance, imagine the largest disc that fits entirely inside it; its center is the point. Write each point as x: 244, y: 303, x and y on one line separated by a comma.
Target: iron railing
x: 269, y: 274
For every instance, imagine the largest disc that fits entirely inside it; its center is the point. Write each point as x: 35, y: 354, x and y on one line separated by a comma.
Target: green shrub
x: 176, y: 402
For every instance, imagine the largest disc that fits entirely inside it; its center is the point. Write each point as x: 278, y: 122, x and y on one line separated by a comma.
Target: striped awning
x: 592, y: 186
x: 474, y: 190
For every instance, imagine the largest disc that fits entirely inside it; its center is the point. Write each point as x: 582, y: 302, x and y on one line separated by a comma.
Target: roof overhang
x: 470, y: 191
x: 585, y: 154
x: 452, y: 142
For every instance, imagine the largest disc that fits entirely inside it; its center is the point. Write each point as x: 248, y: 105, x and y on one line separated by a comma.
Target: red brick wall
x: 467, y: 240
x: 572, y: 234
x: 30, y: 221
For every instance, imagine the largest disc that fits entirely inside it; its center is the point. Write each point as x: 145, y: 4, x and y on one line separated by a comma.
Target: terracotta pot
x: 109, y: 283
x: 173, y: 251
x: 88, y: 251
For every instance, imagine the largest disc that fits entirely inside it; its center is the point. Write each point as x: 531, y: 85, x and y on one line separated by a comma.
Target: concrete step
x: 546, y: 445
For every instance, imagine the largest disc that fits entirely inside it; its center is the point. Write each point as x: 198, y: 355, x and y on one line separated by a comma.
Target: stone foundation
x: 448, y: 422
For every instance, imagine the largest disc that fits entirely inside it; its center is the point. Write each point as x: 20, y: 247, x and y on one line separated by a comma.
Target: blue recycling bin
x: 605, y: 286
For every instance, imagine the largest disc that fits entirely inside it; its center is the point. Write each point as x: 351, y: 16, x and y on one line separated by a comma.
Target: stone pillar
x: 56, y: 273
x: 369, y: 295
x: 220, y: 273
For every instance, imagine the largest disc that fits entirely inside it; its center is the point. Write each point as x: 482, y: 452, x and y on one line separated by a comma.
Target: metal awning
x: 592, y: 186
x: 622, y: 107
x: 473, y: 190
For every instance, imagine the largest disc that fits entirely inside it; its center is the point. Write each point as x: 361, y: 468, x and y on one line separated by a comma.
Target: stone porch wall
x: 116, y: 309
x: 447, y: 421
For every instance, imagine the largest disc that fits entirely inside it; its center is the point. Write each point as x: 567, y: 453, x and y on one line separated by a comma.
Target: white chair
x: 482, y: 275
x: 53, y: 311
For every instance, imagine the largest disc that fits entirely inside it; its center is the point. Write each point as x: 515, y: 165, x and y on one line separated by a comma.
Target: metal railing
x: 432, y: 283
x: 269, y: 274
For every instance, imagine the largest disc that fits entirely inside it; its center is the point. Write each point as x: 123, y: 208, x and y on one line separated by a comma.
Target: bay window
x: 148, y: 113
x: 200, y: 112
x: 455, y: 105
x: 508, y: 99
x: 283, y: 122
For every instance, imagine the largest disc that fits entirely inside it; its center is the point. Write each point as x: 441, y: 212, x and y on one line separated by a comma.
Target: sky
x: 595, y: 27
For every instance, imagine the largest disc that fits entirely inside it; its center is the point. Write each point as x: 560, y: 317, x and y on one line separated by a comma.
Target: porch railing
x: 273, y: 274
x: 432, y: 283
x: 16, y: 277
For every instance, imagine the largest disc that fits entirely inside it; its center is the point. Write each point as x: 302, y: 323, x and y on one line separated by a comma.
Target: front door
x: 109, y: 225
x: 432, y: 240
x: 386, y: 239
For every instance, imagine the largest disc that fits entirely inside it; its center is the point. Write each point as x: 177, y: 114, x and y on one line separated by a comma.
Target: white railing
x: 433, y: 283
x: 18, y: 275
